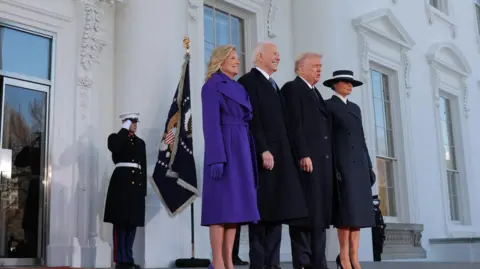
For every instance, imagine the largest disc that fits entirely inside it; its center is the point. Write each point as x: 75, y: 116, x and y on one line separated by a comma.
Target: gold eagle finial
x: 186, y: 43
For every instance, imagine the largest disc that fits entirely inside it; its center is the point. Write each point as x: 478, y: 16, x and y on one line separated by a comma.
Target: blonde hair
x: 219, y: 55
x: 302, y: 58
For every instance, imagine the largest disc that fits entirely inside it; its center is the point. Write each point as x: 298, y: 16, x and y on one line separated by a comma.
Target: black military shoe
x: 238, y: 261
x: 124, y: 266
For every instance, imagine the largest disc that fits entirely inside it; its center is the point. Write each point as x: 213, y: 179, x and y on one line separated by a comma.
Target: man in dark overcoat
x: 310, y: 125
x: 280, y: 193
x: 125, y: 203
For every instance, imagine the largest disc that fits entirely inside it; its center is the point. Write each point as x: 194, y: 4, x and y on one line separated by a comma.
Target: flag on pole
x: 175, y: 176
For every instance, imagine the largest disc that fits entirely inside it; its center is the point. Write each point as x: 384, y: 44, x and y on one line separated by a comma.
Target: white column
x: 148, y: 57
x: 325, y: 27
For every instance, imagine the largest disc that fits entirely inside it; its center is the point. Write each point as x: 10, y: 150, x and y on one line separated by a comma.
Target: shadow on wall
x: 88, y: 232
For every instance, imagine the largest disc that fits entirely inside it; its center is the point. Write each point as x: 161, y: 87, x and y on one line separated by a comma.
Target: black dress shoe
x: 274, y: 267
x: 124, y: 266
x: 238, y: 261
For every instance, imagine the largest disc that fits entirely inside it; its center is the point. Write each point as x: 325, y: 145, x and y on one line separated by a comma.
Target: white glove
x: 126, y: 124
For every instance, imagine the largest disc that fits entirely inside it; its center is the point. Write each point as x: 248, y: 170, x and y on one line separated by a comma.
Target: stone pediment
x: 384, y: 24
x: 449, y: 56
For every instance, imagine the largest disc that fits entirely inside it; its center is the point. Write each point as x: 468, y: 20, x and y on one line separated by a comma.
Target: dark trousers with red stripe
x: 123, y: 238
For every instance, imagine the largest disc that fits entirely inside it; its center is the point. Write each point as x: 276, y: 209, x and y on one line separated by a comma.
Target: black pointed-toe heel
x: 339, y: 264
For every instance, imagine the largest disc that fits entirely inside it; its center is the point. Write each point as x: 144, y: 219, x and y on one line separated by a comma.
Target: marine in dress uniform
x: 279, y: 174
x: 310, y: 126
x: 125, y: 203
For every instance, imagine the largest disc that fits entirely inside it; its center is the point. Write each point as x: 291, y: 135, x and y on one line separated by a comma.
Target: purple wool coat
x: 226, y: 113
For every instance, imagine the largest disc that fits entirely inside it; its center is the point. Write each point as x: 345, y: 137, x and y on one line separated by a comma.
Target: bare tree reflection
x: 21, y: 196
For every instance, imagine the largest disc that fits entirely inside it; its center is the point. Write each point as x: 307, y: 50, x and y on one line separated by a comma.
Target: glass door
x: 23, y: 137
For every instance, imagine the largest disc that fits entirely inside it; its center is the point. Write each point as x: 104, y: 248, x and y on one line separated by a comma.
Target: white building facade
x: 69, y: 67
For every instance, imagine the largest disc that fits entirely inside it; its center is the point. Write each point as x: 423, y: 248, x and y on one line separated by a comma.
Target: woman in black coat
x: 354, y: 209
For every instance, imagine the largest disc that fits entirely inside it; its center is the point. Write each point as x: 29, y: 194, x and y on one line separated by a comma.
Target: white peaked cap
x: 125, y: 116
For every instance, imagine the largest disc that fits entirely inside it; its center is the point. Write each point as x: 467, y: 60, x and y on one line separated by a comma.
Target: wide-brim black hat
x: 342, y: 75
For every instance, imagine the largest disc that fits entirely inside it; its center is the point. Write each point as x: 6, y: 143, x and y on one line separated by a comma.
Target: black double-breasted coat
x: 125, y: 202
x: 310, y: 125
x: 353, y: 162
x: 280, y: 195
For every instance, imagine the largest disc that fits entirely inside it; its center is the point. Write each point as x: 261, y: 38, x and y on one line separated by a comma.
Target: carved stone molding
x: 403, y: 241
x: 434, y: 14
x: 407, y: 66
x: 193, y: 6
x: 364, y: 56
x: 466, y: 108
x: 441, y: 56
x: 90, y: 49
x: 367, y: 30
x: 272, y: 12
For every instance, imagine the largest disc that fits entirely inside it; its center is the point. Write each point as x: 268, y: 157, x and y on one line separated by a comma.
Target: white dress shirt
x: 309, y: 85
x: 263, y: 73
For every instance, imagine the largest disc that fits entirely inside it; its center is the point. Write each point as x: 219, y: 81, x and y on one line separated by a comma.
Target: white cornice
x: 435, y: 51
x: 435, y: 14
x: 463, y: 69
x: 366, y: 22
x: 373, y: 25
x: 37, y: 10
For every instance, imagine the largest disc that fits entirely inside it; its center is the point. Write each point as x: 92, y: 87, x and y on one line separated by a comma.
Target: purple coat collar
x: 231, y: 88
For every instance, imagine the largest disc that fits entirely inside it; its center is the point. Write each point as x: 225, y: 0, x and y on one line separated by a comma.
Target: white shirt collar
x: 263, y: 73
x: 344, y: 99
x: 309, y: 85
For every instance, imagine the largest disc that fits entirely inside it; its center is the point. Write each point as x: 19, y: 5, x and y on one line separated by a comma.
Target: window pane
x: 477, y: 8
x: 434, y: 3
x: 445, y: 136
x: 25, y: 53
x: 443, y: 109
x: 208, y: 26
x: 386, y: 187
x: 381, y: 142
x: 377, y: 84
x: 388, y: 115
x: 378, y: 107
x: 390, y: 145
x: 222, y: 28
x: 385, y: 87
x: 237, y: 34
x: 208, y: 48
x: 450, y: 162
x: 452, y: 178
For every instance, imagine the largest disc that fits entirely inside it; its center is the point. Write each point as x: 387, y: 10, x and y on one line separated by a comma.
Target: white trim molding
x: 400, y: 37
x: 272, y: 13
x: 450, y: 72
x: 448, y: 57
x: 434, y: 14
x: 384, y: 43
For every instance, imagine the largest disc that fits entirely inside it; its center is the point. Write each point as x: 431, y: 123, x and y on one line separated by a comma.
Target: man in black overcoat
x: 280, y: 193
x: 310, y: 126
x: 125, y: 203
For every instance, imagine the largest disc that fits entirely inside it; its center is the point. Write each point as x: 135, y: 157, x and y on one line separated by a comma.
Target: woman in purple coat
x: 229, y: 178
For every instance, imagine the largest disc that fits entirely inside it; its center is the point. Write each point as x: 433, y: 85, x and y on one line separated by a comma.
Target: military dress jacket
x: 125, y: 202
